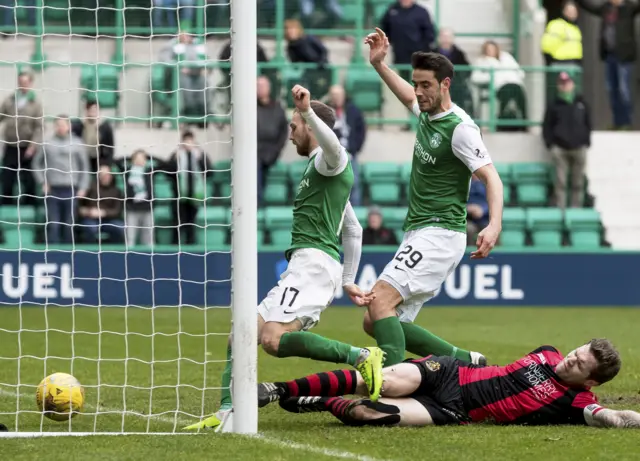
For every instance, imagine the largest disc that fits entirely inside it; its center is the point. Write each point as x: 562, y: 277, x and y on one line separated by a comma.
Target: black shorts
x: 439, y: 391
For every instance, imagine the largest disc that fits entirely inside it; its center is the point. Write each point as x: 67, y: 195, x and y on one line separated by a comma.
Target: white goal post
x: 244, y: 233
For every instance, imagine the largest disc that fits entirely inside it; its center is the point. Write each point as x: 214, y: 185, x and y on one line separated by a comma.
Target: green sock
x: 390, y: 338
x: 316, y: 347
x: 422, y: 343
x: 225, y: 392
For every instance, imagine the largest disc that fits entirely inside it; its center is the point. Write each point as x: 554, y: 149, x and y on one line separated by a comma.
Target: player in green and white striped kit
x: 447, y: 151
x: 321, y: 214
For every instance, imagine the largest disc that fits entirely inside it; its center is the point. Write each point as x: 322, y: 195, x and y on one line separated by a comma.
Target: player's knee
x: 270, y: 338
x: 387, y: 299
x: 367, y: 324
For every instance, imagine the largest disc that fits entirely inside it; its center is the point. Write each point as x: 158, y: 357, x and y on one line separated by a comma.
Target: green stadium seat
x: 545, y: 225
x: 100, y: 82
x: 161, y: 91
x: 364, y: 87
x: 278, y: 173
x: 505, y: 172
x: 584, y: 227
x: 222, y: 182
x: 18, y: 224
x: 384, y: 194
x: 393, y: 217
x: 296, y: 170
x: 380, y: 172
x: 163, y: 215
x: 352, y: 10
x: 162, y: 189
x: 532, y: 183
x: 290, y: 76
x: 514, y: 226
x: 215, y: 222
x: 362, y: 214
x: 279, y: 220
x: 276, y: 194
x: 382, y: 181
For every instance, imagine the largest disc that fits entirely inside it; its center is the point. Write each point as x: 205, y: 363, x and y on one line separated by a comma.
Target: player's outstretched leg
x: 368, y: 361
x: 364, y: 412
x: 422, y: 342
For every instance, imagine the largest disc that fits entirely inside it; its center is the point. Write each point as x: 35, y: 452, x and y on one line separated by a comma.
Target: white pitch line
x: 314, y: 449
x: 181, y: 421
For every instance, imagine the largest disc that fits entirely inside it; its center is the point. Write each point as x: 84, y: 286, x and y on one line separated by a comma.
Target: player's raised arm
x: 597, y: 416
x: 352, y: 245
x: 333, y: 154
x: 378, y: 49
x: 468, y: 146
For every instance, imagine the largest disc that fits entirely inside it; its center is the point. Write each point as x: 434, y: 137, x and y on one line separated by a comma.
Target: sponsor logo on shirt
x: 424, y: 156
x: 304, y: 184
x: 541, y: 386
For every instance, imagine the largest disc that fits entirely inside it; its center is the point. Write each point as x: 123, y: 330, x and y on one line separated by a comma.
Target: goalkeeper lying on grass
x: 542, y: 388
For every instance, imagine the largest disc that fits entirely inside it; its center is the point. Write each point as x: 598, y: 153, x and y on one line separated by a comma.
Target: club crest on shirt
x: 435, y: 140
x: 431, y: 365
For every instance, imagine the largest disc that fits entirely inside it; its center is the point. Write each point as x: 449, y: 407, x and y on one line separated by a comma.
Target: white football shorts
x: 423, y: 262
x: 305, y: 289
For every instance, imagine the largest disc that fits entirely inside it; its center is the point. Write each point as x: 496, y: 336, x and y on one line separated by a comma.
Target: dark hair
x: 608, y: 359
x: 439, y: 64
x: 187, y: 135
x: 90, y: 103
x: 324, y: 113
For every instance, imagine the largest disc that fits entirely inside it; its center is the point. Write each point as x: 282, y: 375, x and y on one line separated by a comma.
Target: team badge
x: 435, y: 140
x: 432, y: 366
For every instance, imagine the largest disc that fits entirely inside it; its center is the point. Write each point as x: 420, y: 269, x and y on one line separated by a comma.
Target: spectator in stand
x: 190, y: 168
x: 446, y: 46
x: 409, y: 28
x: 567, y: 134
x: 375, y: 233
x: 191, y: 55
x: 225, y: 56
x: 301, y: 47
x: 562, y: 39
x: 61, y: 167
x: 562, y: 45
x: 351, y: 130
x: 460, y: 93
x: 477, y: 210
x: 308, y: 49
x: 139, y: 214
x: 332, y: 7
x: 101, y: 209
x: 508, y: 82
x: 618, y: 51
x: 22, y: 113
x: 96, y: 135
x: 172, y: 9
x: 273, y: 132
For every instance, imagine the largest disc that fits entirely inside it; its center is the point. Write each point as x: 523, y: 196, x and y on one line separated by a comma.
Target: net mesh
x: 115, y: 224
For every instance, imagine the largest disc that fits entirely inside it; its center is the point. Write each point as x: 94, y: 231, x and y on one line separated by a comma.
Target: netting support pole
x: 245, y: 235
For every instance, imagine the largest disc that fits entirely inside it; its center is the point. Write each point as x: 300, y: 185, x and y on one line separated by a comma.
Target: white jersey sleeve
x: 416, y: 109
x: 351, y: 244
x: 468, y: 146
x: 333, y: 158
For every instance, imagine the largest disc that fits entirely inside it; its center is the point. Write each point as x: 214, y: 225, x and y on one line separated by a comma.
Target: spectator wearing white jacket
x: 508, y: 82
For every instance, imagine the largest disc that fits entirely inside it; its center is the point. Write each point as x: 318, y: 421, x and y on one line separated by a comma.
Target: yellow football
x: 60, y: 396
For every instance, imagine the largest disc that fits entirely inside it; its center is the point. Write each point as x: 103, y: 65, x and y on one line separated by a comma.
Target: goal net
x: 125, y: 230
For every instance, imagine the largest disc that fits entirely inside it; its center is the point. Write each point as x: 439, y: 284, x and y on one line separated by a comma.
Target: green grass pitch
x: 153, y: 340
